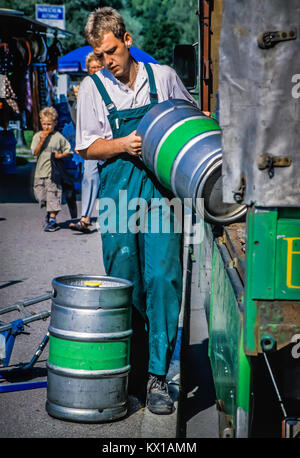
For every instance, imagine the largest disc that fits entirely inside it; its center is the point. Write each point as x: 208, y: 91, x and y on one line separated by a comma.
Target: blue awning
x: 74, y: 61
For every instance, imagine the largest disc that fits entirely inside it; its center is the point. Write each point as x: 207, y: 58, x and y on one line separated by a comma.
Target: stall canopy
x: 15, y: 23
x: 74, y: 61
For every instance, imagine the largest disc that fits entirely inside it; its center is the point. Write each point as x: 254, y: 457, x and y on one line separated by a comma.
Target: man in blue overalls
x: 111, y: 104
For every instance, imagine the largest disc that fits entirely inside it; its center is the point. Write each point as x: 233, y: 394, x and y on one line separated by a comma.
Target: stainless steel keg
x: 183, y: 148
x: 89, y: 348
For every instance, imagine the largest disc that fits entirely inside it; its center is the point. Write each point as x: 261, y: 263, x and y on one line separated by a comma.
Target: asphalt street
x: 30, y: 259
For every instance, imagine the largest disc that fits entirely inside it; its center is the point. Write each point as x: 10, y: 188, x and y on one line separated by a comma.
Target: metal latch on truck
x: 268, y: 39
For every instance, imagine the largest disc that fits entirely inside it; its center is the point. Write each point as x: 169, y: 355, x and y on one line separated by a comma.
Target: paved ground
x: 30, y: 259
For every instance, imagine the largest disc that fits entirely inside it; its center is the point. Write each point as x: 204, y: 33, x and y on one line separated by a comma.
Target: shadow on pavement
x: 17, y: 188
x: 198, y: 385
x: 10, y: 283
x: 16, y: 375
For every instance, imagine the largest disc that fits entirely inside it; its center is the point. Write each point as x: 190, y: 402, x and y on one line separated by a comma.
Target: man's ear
x: 127, y: 39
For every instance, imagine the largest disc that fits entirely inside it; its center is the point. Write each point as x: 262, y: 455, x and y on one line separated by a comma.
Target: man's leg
x: 163, y: 277
x: 121, y: 259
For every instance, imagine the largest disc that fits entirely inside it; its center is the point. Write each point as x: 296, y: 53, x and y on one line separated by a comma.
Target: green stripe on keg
x: 89, y: 356
x: 175, y: 141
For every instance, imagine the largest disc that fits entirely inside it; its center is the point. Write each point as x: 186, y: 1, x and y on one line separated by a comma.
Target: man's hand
x: 102, y: 149
x: 133, y: 144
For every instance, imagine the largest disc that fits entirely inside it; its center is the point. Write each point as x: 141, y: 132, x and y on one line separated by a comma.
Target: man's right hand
x: 102, y: 149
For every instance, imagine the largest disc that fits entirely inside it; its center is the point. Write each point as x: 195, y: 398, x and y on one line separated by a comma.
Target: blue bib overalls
x: 152, y: 261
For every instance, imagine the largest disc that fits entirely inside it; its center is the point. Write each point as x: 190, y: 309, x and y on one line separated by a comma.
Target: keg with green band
x: 90, y: 356
x: 175, y: 140
x: 183, y: 148
x: 89, y: 348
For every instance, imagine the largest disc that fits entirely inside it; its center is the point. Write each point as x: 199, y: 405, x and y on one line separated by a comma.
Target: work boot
x: 158, y: 398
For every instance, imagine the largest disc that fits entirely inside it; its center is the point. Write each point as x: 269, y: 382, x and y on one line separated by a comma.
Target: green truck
x: 248, y: 271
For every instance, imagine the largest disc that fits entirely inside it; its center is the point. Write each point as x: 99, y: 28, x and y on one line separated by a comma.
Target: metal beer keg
x: 183, y: 148
x: 89, y: 348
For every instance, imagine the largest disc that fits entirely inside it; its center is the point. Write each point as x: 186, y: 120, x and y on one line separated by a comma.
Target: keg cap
x: 92, y: 283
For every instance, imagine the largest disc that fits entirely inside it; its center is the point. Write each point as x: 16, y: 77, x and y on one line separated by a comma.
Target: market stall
x: 29, y: 52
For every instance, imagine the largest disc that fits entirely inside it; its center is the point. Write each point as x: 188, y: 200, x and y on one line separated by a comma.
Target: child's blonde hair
x: 49, y: 112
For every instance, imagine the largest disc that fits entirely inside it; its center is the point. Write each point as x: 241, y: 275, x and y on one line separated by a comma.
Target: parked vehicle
x: 249, y: 271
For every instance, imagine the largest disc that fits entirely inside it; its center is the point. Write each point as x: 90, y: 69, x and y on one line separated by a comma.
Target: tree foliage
x: 156, y: 25
x: 164, y: 24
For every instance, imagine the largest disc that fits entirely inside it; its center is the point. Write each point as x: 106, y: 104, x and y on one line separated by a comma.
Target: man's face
x: 114, y: 54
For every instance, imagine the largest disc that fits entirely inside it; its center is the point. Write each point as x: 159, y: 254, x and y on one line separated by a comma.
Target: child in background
x: 44, y: 143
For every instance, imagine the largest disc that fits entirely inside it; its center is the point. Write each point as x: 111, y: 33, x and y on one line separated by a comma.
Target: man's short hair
x: 49, y: 112
x: 104, y: 20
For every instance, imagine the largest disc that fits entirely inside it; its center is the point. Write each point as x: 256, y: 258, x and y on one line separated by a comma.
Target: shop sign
x: 53, y: 15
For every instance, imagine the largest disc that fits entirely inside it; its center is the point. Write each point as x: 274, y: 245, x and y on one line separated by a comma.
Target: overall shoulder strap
x: 103, y: 92
x: 153, y: 91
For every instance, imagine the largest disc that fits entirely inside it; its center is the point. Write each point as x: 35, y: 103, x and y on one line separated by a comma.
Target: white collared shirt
x: 92, y: 122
